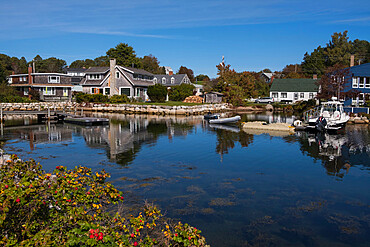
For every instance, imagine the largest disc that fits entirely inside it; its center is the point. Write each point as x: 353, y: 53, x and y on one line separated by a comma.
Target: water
x: 240, y: 189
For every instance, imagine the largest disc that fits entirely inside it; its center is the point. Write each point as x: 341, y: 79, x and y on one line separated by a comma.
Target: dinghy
x: 225, y: 120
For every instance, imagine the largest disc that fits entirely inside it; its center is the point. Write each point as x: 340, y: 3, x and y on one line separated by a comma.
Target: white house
x: 293, y: 90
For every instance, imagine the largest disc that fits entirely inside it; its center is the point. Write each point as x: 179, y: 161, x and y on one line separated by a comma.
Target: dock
x: 89, y: 121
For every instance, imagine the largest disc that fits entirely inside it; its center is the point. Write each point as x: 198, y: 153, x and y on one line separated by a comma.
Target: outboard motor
x: 320, y: 124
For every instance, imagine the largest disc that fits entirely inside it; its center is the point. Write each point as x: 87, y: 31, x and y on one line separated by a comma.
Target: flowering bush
x: 70, y: 208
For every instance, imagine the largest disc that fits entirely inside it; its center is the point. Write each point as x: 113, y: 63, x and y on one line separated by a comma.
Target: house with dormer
x: 171, y: 80
x: 117, y: 79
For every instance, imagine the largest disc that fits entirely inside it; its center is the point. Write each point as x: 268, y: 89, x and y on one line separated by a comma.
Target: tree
x: 333, y: 82
x: 314, y: 63
x: 189, y: 72
x: 102, y: 61
x: 87, y: 63
x: 202, y: 78
x: 180, y: 92
x: 124, y: 55
x: 151, y: 64
x: 338, y: 50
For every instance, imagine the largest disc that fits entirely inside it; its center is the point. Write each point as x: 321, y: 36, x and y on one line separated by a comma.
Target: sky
x: 252, y: 35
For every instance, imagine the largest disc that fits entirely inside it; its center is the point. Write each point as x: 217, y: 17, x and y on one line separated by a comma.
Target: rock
x: 269, y: 107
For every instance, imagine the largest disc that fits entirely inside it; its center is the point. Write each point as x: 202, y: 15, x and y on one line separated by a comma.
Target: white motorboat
x: 328, y: 116
x: 225, y: 120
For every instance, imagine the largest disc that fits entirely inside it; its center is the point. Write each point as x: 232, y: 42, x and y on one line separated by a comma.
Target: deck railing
x: 315, y: 112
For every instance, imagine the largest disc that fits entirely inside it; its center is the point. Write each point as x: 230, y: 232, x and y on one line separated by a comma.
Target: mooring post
x: 82, y: 111
x: 49, y: 113
x: 1, y: 113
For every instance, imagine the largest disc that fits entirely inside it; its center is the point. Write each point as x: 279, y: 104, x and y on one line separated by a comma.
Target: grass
x: 168, y: 103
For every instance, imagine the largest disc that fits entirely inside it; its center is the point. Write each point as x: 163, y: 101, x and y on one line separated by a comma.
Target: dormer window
x: 94, y: 77
x: 54, y: 79
x: 117, y: 74
x: 163, y: 80
x: 172, y: 80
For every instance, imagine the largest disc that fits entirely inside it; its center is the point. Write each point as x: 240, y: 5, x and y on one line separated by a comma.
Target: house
x: 267, y: 77
x: 51, y: 86
x: 213, y: 97
x: 292, y: 90
x: 117, y: 79
x: 77, y: 75
x: 172, y: 80
x: 359, y: 82
x: 168, y: 70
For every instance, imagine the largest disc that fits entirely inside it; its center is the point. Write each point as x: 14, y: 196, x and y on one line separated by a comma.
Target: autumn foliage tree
x: 333, y: 82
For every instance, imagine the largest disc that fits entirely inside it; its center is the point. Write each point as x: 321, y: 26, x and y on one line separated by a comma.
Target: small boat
x: 225, y: 120
x: 211, y: 116
x: 329, y: 116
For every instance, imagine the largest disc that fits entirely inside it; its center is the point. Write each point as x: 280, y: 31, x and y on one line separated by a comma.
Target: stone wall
x: 118, y: 108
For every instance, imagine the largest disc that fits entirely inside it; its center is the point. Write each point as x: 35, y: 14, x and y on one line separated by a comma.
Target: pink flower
x: 17, y: 200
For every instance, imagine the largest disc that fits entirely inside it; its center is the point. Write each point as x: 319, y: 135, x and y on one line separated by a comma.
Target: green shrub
x: 91, y: 98
x: 180, y: 92
x: 70, y: 208
x: 10, y: 95
x: 157, y: 93
x: 119, y: 99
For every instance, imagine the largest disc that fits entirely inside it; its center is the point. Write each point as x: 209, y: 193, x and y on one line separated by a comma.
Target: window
x: 361, y: 82
x: 117, y: 74
x: 354, y: 82
x: 25, y: 91
x: 163, y: 80
x: 49, y: 91
x: 65, y: 91
x: 21, y: 78
x: 301, y: 95
x: 367, y: 82
x: 125, y: 90
x: 10, y: 80
x: 310, y: 96
x: 295, y: 96
x: 155, y: 80
x: 94, y: 77
x: 54, y: 79
x: 107, y: 91
x: 284, y: 95
x: 95, y: 90
x: 172, y: 80
x: 275, y: 95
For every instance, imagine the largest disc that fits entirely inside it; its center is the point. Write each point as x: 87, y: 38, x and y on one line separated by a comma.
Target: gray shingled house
x: 51, y: 86
x: 117, y: 79
x: 172, y: 80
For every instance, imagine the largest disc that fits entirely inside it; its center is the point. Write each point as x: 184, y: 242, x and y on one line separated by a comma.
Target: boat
x: 329, y: 116
x: 211, y: 116
x: 225, y: 120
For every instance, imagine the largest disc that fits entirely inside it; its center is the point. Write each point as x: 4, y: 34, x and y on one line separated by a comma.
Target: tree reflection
x: 226, y: 140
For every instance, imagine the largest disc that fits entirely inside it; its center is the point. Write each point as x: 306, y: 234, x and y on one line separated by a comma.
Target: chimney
x: 29, y: 75
x: 314, y: 76
x: 170, y: 72
x: 113, y: 87
x: 352, y: 61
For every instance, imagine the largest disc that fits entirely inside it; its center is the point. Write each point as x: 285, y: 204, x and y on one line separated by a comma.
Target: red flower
x: 176, y: 234
x: 6, y: 186
x: 76, y: 188
x: 43, y: 202
x: 91, y: 231
x: 57, y: 167
x: 56, y: 192
x: 96, y: 235
x: 18, y: 200
x: 137, y: 230
x: 121, y: 197
x: 132, y: 235
x: 135, y: 244
x: 91, y: 236
x: 189, y: 238
x: 88, y: 193
x: 100, y: 237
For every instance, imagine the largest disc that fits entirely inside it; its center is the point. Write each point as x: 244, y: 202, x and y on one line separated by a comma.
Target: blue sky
x: 252, y: 35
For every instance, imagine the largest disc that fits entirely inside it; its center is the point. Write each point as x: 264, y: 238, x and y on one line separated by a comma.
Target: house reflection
x: 125, y: 134
x: 49, y: 133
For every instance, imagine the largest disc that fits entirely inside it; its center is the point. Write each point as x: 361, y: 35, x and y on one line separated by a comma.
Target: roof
x: 178, y: 79
x: 268, y: 75
x: 34, y: 74
x: 74, y: 69
x: 100, y: 70
x: 137, y: 71
x: 361, y: 70
x: 294, y: 85
x: 42, y: 85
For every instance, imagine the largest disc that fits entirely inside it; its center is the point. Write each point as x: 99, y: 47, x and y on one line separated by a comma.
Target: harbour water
x: 240, y: 189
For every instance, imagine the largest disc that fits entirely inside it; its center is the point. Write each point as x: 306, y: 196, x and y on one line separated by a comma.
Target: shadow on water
x: 295, y: 190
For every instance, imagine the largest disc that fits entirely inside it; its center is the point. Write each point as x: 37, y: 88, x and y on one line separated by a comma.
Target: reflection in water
x: 269, y: 190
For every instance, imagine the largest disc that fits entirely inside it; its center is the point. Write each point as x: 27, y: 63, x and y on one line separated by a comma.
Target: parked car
x: 266, y: 100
